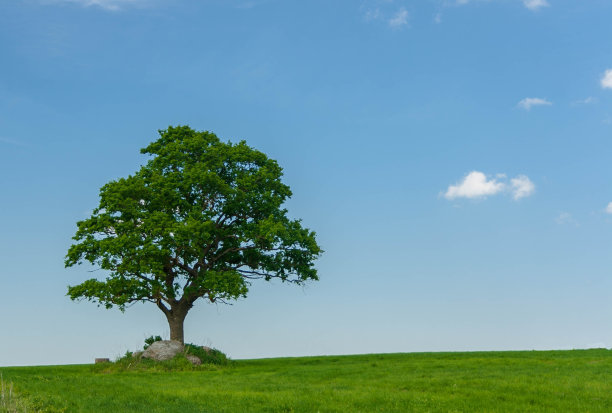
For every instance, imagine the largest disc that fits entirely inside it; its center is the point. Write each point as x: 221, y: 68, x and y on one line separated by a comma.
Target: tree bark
x: 176, y: 319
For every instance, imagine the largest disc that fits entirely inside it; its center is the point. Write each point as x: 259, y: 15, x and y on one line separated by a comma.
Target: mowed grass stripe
x: 551, y: 381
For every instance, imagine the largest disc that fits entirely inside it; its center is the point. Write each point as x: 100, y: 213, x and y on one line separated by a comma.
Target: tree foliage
x: 199, y: 220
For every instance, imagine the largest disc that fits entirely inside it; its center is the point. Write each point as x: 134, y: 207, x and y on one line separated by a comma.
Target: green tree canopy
x: 200, y: 220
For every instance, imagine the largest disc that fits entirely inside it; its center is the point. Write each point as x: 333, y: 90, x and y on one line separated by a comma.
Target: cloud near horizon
x: 477, y: 185
x: 528, y: 103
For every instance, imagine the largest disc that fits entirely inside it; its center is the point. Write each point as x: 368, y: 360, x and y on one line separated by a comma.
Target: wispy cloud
x: 389, y: 12
x: 399, y: 19
x: 250, y: 4
x: 609, y: 208
x: 111, y: 5
x: 14, y: 142
x: 565, y: 218
x: 372, y: 14
x: 528, y: 103
x: 530, y: 4
x: 477, y: 185
x: 585, y: 101
x: 535, y: 4
x: 606, y: 80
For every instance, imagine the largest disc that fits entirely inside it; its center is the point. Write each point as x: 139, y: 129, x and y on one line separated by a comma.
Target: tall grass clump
x: 8, y: 402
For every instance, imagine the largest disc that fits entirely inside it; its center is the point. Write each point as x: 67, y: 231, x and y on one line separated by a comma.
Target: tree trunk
x: 176, y: 319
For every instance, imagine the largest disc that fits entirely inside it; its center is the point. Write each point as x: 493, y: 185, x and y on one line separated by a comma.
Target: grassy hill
x: 535, y: 381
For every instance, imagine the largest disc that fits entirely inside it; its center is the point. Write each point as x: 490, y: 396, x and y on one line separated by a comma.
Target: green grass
x: 551, y: 381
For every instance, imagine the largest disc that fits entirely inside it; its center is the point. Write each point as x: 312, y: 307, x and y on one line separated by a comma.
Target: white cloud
x: 606, y: 80
x: 535, y: 4
x: 478, y: 185
x: 474, y: 185
x: 609, y: 208
x: 399, y: 19
x: 528, y: 103
x: 521, y: 187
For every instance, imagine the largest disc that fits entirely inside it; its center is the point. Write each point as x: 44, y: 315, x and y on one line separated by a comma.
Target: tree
x: 201, y: 219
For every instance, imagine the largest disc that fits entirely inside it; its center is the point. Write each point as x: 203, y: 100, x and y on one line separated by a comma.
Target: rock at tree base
x: 163, y: 350
x: 195, y: 360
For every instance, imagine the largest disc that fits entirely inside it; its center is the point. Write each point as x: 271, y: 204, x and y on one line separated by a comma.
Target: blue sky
x: 452, y: 156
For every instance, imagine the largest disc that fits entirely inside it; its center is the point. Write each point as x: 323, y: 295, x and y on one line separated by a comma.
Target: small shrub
x: 151, y: 340
x: 210, y: 361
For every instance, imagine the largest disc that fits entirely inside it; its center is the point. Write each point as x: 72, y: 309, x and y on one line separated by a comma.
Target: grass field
x: 551, y: 381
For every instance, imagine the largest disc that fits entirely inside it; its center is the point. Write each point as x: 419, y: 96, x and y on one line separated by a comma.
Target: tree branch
x: 162, y: 307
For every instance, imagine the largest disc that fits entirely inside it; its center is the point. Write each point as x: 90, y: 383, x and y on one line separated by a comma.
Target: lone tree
x: 200, y: 220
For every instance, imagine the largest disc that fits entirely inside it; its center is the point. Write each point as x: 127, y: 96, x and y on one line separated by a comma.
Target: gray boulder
x: 195, y: 360
x: 163, y: 350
